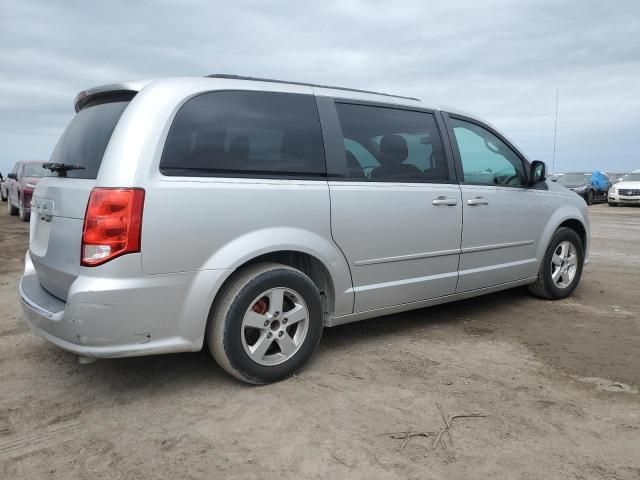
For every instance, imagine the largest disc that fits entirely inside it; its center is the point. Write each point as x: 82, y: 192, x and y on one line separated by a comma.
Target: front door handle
x: 442, y: 200
x: 477, y: 201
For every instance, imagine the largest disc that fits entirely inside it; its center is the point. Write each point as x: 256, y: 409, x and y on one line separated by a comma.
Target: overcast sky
x: 501, y: 60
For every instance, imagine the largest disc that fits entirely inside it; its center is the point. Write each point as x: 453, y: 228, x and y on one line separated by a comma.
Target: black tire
x: 224, y: 328
x: 3, y: 197
x: 12, y: 210
x: 590, y: 197
x: 544, y: 287
x: 25, y: 216
x: 613, y: 204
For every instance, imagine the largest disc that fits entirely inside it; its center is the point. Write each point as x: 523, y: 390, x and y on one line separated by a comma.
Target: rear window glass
x: 35, y: 170
x: 246, y: 134
x: 85, y: 140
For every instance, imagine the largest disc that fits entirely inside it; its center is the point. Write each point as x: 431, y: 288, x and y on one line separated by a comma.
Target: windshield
x: 632, y: 177
x: 35, y: 170
x: 574, y: 179
x: 85, y: 140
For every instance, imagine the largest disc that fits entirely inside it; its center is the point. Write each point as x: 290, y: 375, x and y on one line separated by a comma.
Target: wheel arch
x: 568, y: 216
x: 577, y: 226
x: 307, y: 264
x: 319, y: 258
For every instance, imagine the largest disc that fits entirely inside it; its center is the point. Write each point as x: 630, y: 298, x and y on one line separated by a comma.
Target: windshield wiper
x: 61, y: 168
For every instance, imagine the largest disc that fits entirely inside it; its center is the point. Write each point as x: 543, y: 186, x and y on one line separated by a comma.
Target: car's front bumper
x: 622, y: 199
x: 122, y: 317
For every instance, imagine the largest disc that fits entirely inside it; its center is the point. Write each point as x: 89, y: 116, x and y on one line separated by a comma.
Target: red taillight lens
x: 112, y: 224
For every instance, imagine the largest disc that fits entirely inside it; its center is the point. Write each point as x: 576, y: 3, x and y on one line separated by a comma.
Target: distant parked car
x: 626, y: 192
x: 3, y: 193
x: 21, y: 182
x: 5, y: 185
x: 582, y: 184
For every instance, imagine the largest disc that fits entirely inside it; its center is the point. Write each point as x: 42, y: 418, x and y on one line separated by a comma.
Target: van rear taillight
x: 112, y: 224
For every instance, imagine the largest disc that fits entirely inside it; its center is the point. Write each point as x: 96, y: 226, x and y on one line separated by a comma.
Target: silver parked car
x: 253, y: 213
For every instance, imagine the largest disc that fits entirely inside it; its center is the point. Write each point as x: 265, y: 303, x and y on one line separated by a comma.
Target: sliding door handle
x: 477, y: 201
x: 442, y: 200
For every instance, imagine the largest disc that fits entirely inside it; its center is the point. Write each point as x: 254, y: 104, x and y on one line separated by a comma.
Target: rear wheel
x: 561, y: 267
x: 24, y: 214
x: 266, y: 324
x: 12, y: 210
x: 3, y: 196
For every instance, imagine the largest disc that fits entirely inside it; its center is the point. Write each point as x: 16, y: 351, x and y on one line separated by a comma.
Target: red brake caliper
x: 261, y: 306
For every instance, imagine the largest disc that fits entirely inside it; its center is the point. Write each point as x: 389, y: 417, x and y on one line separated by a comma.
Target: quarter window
x: 391, y: 145
x: 486, y: 160
x: 240, y: 133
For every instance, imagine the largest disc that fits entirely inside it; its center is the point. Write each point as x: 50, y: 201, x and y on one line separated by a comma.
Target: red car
x: 20, y: 184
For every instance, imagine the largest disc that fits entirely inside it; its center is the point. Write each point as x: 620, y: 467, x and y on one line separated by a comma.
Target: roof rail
x: 256, y: 79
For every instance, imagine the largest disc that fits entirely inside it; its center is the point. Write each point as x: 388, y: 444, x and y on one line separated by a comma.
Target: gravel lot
x: 558, y: 382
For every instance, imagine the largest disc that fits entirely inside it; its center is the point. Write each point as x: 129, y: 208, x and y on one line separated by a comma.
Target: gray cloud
x: 502, y: 60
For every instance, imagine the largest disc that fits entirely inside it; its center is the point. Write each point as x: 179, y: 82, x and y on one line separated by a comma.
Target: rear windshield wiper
x: 61, y: 168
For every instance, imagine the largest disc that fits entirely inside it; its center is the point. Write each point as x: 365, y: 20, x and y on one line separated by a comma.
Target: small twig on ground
x: 444, y: 419
x: 338, y: 459
x: 406, y: 436
x: 489, y: 323
x: 347, y: 375
x: 447, y: 425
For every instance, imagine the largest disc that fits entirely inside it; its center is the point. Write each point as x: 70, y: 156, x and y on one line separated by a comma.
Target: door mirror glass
x: 538, y: 172
x: 13, y: 176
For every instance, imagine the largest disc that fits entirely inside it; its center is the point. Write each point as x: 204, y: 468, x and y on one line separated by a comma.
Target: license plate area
x: 41, y: 215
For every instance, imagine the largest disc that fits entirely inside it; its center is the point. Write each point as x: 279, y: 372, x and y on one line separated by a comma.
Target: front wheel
x: 3, y: 196
x: 590, y: 197
x: 561, y: 267
x: 266, y: 324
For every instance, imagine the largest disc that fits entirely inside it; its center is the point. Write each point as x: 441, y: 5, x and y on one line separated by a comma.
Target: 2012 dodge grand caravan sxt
x: 254, y: 213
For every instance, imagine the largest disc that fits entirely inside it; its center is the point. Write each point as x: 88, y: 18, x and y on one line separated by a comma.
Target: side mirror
x: 12, y: 176
x: 538, y: 172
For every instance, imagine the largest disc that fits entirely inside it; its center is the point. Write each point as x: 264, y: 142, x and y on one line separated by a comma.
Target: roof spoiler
x: 91, y: 94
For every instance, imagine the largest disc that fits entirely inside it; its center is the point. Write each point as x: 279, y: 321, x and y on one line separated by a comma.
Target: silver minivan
x: 253, y: 213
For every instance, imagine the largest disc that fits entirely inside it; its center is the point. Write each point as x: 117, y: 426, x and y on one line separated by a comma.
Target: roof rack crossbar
x: 256, y: 79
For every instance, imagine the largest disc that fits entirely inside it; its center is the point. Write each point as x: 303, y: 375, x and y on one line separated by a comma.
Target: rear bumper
x: 122, y: 317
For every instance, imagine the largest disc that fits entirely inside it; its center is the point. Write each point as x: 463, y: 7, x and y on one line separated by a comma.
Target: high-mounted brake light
x: 112, y: 224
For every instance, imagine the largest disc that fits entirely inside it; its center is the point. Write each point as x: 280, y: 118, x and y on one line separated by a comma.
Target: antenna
x: 555, y: 136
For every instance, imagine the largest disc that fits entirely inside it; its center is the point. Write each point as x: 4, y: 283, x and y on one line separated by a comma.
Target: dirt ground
x: 557, y: 381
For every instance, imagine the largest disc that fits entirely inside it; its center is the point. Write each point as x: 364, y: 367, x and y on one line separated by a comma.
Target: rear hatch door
x: 60, y: 201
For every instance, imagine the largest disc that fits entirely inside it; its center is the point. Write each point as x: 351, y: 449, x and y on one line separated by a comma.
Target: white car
x: 627, y: 191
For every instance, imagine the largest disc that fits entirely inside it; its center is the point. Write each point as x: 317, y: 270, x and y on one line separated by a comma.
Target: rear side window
x: 85, y: 140
x: 246, y: 134
x: 391, y: 145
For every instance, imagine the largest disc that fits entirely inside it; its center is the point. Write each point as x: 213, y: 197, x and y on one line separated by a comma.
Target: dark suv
x: 582, y: 184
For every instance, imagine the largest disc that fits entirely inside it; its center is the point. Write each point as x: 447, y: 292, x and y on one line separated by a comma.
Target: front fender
x: 567, y: 212
x: 242, y: 249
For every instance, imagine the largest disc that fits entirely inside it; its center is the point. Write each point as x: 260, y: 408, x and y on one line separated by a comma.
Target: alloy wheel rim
x: 275, y: 326
x: 564, y: 264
